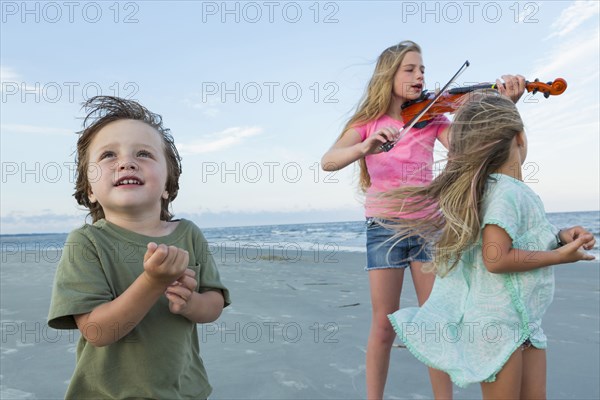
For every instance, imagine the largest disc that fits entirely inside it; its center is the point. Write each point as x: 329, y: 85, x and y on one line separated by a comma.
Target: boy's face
x: 127, y: 169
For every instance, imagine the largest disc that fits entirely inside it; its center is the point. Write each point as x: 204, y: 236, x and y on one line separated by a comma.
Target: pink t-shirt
x: 408, y: 163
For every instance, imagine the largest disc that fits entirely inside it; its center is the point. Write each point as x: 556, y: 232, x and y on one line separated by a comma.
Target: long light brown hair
x: 480, y: 141
x: 378, y: 95
x: 102, y: 110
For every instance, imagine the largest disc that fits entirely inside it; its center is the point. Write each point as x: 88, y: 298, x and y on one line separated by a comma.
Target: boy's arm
x: 500, y: 257
x: 204, y: 307
x: 197, y: 307
x: 111, y: 321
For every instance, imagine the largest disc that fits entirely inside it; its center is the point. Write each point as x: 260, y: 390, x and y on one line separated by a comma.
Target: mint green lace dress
x: 474, y: 320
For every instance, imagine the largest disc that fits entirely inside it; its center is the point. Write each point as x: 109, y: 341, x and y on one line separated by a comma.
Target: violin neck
x: 467, y: 89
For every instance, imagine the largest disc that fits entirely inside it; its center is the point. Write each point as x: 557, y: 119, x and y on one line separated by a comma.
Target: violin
x: 450, y: 100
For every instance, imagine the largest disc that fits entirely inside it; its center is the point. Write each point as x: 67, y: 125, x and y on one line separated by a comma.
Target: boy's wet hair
x: 102, y: 110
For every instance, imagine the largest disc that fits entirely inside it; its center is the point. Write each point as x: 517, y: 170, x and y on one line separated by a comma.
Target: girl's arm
x: 111, y: 321
x: 500, y: 257
x: 443, y: 137
x: 350, y: 148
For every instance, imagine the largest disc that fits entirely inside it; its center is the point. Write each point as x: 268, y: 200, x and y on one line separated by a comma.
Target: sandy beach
x: 297, y: 329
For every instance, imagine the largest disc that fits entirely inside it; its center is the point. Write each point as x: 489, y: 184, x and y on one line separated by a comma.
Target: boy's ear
x: 165, y: 195
x: 91, y: 197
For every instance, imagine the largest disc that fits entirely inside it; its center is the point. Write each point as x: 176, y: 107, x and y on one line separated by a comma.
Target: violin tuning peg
x: 547, y: 94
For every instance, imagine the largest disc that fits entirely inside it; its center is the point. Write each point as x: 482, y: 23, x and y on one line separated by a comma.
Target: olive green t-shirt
x: 160, y: 357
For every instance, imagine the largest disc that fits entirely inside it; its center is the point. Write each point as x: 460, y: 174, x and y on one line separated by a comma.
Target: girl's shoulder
x: 511, y: 204
x: 507, y: 187
x: 367, y: 124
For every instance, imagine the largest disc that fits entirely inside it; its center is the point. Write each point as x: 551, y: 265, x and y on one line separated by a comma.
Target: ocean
x: 286, y: 240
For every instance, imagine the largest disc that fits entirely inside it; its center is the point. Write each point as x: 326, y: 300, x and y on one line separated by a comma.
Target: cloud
x: 577, y: 54
x: 218, y: 141
x: 575, y: 58
x: 17, y: 222
x: 35, y: 130
x: 213, y: 219
x: 9, y: 78
x: 573, y: 16
x: 208, y: 109
x: 210, y: 112
x: 46, y: 221
x: 7, y: 74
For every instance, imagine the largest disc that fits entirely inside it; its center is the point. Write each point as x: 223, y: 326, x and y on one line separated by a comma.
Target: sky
x: 256, y: 92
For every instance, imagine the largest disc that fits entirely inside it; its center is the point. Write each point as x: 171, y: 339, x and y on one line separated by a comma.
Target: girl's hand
x: 181, y: 291
x: 164, y: 264
x: 513, y: 86
x: 372, y: 144
x: 572, y: 251
x: 570, y: 234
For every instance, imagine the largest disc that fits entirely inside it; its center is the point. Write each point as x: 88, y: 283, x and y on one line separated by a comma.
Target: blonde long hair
x: 378, y: 95
x: 480, y: 141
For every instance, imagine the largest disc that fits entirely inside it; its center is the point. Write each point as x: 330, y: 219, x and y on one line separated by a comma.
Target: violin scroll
x: 548, y: 89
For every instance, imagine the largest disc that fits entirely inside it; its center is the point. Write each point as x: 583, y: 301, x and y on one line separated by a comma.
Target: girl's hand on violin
x: 372, y: 144
x: 513, y: 86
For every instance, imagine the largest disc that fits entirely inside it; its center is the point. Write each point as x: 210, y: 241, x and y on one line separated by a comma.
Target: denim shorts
x: 383, y: 253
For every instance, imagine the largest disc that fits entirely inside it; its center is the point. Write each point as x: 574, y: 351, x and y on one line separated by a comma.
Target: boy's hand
x: 164, y: 264
x: 180, y: 292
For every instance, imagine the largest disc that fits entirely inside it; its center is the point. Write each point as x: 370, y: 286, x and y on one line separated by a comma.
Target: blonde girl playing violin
x: 398, y: 78
x: 494, y: 250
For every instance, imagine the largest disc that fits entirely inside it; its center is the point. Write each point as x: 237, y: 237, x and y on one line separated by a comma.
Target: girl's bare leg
x: 533, y: 385
x: 440, y: 381
x: 386, y: 285
x: 508, y: 381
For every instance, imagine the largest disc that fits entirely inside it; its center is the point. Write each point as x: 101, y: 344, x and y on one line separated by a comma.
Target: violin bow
x: 408, y: 126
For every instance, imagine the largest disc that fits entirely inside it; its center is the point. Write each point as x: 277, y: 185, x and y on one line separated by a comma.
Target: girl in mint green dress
x: 494, y: 252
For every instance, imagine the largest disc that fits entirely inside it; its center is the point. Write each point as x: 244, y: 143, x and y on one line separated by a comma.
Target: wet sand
x: 297, y: 329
